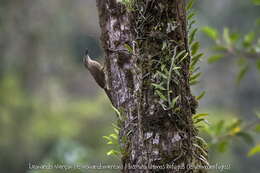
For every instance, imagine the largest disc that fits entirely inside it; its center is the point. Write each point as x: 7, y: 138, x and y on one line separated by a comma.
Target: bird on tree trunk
x: 95, y: 68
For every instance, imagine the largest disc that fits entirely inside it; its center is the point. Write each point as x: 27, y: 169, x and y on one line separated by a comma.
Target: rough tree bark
x: 147, y: 80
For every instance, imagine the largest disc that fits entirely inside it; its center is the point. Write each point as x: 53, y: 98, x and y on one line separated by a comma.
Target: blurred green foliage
x: 35, y: 130
x: 244, y: 49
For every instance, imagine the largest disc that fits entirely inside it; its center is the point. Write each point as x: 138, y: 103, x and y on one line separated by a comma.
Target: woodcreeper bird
x: 95, y: 68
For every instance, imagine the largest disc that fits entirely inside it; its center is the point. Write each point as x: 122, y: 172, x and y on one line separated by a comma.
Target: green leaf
x: 201, y: 95
x: 190, y: 24
x: 117, y: 112
x: 110, y: 152
x: 215, y: 58
x: 210, y: 32
x: 226, y: 36
x: 192, y: 35
x: 199, y: 120
x: 204, y: 160
x: 190, y: 4
x: 194, y: 48
x: 113, y: 152
x: 234, y: 37
x: 116, y: 131
x: 113, y: 136
x: 176, y: 68
x: 129, y: 48
x: 201, y: 149
x: 195, y: 76
x: 161, y: 74
x: 195, y: 59
x: 201, y: 140
x: 107, y: 138
x: 248, y: 39
x: 197, y: 116
x: 178, y: 74
x: 254, y: 150
x: 257, y: 128
x: 185, y: 56
x: 193, y: 82
x: 110, y: 143
x: 174, y: 101
x: 158, y: 86
x: 191, y: 15
x: 161, y: 95
x: 242, y: 73
x: 163, y: 66
x: 256, y: 2
x: 180, y: 54
x: 115, y: 126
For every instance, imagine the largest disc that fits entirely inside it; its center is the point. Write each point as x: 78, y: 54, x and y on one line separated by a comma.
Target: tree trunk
x: 147, y: 69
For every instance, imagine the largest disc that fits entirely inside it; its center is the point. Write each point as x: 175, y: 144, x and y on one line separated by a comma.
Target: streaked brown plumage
x: 95, y: 69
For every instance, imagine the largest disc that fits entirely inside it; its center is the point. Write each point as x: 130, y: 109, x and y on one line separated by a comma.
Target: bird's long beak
x: 86, y: 52
x: 86, y: 58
